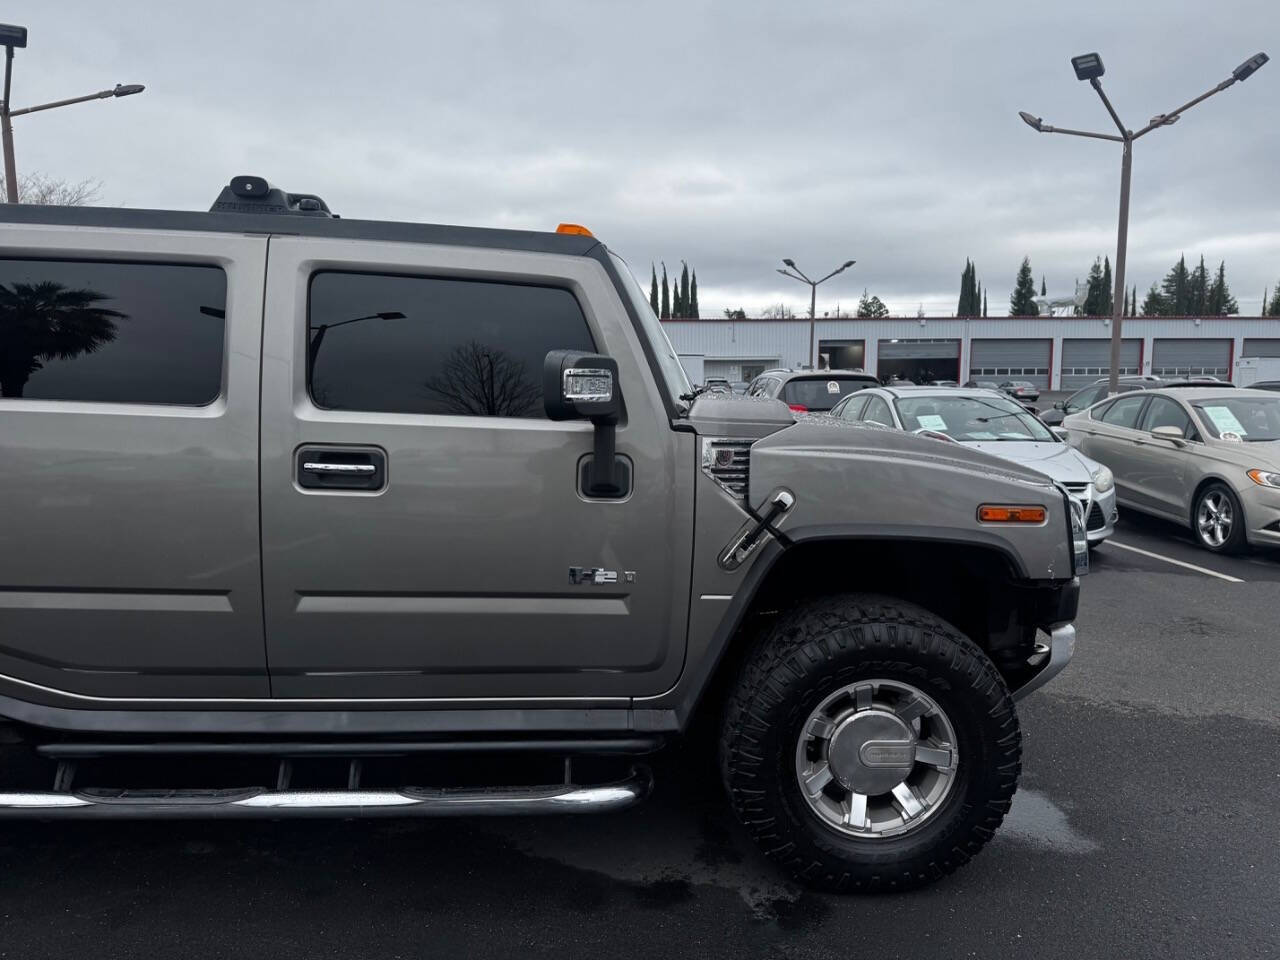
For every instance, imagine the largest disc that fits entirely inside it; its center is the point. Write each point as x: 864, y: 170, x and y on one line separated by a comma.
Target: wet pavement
x: 1147, y: 825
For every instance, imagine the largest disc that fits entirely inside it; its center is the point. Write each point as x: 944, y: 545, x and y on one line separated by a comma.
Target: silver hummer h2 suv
x: 307, y: 516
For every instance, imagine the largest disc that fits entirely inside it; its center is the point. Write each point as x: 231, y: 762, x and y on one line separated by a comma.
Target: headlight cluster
x: 1104, y: 480
x: 1265, y: 478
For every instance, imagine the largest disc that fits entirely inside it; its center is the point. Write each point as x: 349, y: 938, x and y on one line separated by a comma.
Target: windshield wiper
x: 1001, y: 416
x: 693, y: 394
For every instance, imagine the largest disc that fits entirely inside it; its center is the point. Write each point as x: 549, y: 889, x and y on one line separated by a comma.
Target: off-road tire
x: 819, y: 648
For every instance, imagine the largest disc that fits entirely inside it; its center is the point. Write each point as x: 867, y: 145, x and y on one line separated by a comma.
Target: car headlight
x: 1104, y: 480
x: 1265, y: 478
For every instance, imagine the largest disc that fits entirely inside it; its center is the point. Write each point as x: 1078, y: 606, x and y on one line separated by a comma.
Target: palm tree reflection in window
x: 47, y: 321
x: 479, y: 380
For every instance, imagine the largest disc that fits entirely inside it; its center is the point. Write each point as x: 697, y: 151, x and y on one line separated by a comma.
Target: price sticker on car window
x: 931, y: 422
x: 1226, y: 422
x: 833, y: 386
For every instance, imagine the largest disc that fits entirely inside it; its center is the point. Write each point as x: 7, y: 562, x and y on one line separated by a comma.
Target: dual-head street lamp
x: 1089, y: 67
x: 813, y: 296
x: 12, y: 38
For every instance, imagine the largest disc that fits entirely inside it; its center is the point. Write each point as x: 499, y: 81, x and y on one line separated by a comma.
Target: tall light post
x: 1089, y: 67
x: 813, y: 296
x: 12, y: 37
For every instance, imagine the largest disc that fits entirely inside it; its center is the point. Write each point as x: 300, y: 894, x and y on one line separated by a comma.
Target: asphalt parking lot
x: 1147, y: 825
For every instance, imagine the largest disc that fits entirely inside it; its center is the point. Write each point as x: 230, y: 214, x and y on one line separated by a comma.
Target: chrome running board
x: 261, y: 803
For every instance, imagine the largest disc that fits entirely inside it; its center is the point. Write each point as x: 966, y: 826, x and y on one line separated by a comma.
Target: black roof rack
x: 250, y: 194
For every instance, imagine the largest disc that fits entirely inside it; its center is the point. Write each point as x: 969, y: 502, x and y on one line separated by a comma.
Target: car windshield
x: 985, y: 419
x: 1247, y: 419
x: 677, y: 381
x: 821, y: 393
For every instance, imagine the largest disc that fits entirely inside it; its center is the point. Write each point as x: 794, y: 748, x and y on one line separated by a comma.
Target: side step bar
x: 262, y: 803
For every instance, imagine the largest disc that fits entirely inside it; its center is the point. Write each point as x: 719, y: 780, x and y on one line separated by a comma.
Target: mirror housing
x: 1170, y: 433
x: 1060, y: 405
x: 584, y: 386
x: 1062, y: 433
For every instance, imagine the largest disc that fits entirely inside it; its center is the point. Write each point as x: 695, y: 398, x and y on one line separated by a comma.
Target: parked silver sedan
x: 1204, y: 457
x: 992, y: 421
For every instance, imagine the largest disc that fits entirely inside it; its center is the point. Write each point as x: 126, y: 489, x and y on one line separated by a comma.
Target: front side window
x: 676, y: 380
x: 1124, y: 412
x: 878, y: 412
x: 102, y: 332
x: 436, y: 345
x: 1163, y: 412
x: 1085, y: 398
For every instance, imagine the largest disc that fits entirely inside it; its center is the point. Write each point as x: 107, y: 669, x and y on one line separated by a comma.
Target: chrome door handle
x: 359, y: 468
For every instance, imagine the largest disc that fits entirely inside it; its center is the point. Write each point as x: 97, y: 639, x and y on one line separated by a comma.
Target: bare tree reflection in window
x: 480, y: 380
x: 47, y: 321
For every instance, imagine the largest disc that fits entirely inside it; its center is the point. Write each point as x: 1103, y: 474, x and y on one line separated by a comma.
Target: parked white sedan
x: 991, y: 421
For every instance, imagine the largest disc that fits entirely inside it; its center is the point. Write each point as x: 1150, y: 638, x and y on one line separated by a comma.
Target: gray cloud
x: 727, y: 134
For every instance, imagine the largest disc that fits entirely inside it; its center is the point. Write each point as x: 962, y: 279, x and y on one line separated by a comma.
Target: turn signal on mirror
x: 991, y: 513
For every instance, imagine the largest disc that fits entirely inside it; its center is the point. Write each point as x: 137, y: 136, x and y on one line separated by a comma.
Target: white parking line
x: 1177, y: 563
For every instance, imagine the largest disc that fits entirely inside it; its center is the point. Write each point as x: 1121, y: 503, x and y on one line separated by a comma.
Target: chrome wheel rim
x: 1214, y: 518
x: 876, y: 759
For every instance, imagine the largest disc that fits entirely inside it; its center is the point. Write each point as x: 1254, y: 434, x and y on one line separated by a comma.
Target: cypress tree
x: 984, y: 303
x: 684, y: 289
x: 693, y: 296
x: 1022, y: 301
x: 1108, y: 294
x: 1044, y: 290
x: 653, y: 289
x: 1093, y: 302
x: 1273, y: 308
x: 962, y: 305
x: 1133, y: 302
x: 666, y: 299
x: 1198, y: 290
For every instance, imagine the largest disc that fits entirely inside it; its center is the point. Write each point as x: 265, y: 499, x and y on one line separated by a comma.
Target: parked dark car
x: 810, y: 391
x: 1265, y: 385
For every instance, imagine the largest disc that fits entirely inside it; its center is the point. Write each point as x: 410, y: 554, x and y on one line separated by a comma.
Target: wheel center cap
x: 872, y: 751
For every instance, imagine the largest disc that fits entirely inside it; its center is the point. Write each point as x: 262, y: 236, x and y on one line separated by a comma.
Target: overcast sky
x: 726, y: 134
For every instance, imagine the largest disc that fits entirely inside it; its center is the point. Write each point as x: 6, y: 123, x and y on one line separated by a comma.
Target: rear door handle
x: 341, y: 468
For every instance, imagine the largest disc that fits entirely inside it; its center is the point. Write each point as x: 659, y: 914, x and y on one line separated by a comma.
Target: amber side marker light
x: 988, y: 513
x: 574, y: 228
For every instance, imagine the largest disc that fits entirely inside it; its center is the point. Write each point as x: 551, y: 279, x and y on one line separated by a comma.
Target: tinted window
x: 1163, y: 412
x: 435, y: 345
x: 821, y: 393
x: 1124, y: 412
x: 111, y: 332
x: 878, y: 412
x: 1085, y: 398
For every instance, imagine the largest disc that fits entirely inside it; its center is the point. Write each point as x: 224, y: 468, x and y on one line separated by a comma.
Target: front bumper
x: 1262, y: 512
x: 1100, y: 520
x: 1058, y: 653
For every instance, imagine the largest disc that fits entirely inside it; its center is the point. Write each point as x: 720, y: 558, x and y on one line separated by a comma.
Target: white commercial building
x: 1055, y: 353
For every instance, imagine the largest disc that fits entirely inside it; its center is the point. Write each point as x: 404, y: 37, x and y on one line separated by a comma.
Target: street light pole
x: 1089, y: 67
x: 11, y: 37
x: 813, y: 297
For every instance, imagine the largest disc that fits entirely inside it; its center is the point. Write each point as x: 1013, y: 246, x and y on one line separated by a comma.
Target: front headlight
x: 1265, y: 478
x: 1104, y: 480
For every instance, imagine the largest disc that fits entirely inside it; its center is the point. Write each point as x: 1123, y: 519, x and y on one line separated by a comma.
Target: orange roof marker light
x: 991, y: 513
x: 574, y: 228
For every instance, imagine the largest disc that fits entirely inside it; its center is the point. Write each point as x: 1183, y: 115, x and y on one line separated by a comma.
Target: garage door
x: 919, y: 349
x: 1011, y: 360
x: 1086, y: 361
x: 1190, y: 358
x: 1261, y: 347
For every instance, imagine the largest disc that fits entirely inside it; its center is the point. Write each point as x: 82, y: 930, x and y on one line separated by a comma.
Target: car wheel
x: 1218, y: 520
x: 869, y: 745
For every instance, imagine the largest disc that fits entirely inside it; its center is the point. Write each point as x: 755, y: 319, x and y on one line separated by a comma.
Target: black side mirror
x: 584, y: 386
x: 1060, y: 405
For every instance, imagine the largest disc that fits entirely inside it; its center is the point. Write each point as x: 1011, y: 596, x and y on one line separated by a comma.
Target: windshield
x: 987, y: 419
x: 676, y: 381
x: 822, y: 393
x: 1250, y: 419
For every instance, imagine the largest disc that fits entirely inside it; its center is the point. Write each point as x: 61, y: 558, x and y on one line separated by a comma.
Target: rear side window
x: 823, y: 393
x: 100, y: 332
x: 436, y: 345
x: 1124, y: 411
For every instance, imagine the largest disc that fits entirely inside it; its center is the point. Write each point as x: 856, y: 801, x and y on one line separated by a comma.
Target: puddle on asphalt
x: 1037, y: 821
